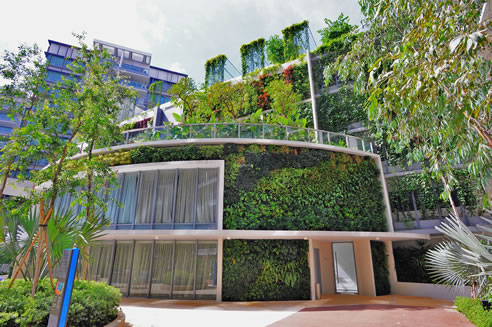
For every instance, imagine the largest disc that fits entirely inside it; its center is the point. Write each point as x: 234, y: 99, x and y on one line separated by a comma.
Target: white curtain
x: 121, y: 266
x: 128, y: 199
x: 112, y: 206
x: 100, y: 265
x: 146, y: 197
x: 184, y: 269
x: 165, y: 196
x: 206, y: 209
x: 141, y: 268
x: 206, y: 271
x: 162, y: 269
x: 185, y: 197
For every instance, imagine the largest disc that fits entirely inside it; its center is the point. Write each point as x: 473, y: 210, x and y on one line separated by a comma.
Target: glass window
x: 121, y: 266
x: 112, y: 200
x: 6, y: 130
x: 62, y: 51
x: 54, y: 76
x: 100, y: 261
x: 109, y: 49
x: 137, y: 57
x: 184, y: 269
x: 162, y: 269
x: 206, y: 206
x: 185, y: 196
x: 146, y: 197
x: 54, y: 48
x: 127, y: 54
x: 141, y: 269
x: 165, y: 196
x: 206, y: 270
x: 128, y: 197
x: 147, y: 60
x: 56, y: 61
x: 68, y: 62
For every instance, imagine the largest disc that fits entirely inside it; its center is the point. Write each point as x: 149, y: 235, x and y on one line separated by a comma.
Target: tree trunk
x: 448, y: 189
x: 37, y: 267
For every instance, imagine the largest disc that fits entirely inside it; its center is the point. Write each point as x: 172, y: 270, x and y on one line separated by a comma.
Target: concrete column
x: 387, y: 211
x: 220, y: 259
x: 391, y: 265
x: 313, y: 94
x: 312, y: 278
x: 364, y: 268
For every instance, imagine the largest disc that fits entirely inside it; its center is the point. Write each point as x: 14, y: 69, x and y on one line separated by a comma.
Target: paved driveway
x: 330, y: 311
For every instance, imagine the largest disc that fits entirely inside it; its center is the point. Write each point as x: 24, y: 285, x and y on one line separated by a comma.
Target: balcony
x: 134, y: 69
x: 245, y: 131
x: 136, y: 85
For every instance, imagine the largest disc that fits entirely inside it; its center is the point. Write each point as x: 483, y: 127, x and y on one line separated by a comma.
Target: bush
x: 93, y: 304
x: 474, y: 311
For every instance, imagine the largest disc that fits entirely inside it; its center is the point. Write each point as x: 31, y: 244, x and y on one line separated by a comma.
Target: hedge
x: 474, y: 311
x: 93, y: 304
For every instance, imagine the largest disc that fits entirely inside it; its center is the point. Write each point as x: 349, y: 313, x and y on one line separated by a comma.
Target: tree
x: 428, y: 87
x: 82, y: 108
x: 284, y: 104
x: 465, y: 259
x: 334, y: 35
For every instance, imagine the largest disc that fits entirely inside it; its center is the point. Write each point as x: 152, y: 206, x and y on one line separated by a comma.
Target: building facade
x: 245, y: 212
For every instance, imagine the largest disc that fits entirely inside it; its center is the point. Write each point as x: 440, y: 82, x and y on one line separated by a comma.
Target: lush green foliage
x: 410, y: 263
x: 275, y: 50
x: 93, y: 304
x: 289, y: 188
x: 265, y: 270
x: 427, y: 194
x: 380, y: 268
x: 421, y: 65
x: 296, y: 40
x: 214, y: 69
x: 474, y: 311
x: 337, y: 37
x: 337, y: 110
x: 253, y: 56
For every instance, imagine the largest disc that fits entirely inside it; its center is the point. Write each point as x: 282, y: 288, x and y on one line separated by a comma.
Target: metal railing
x: 245, y: 131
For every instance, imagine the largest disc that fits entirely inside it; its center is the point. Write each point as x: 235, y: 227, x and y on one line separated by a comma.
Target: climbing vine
x: 253, y: 56
x: 214, y: 69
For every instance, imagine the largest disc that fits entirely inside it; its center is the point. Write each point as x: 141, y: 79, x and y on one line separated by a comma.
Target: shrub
x: 474, y: 311
x: 93, y: 304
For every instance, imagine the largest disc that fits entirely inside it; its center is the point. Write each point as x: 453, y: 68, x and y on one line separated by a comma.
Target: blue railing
x: 245, y: 131
x: 135, y: 69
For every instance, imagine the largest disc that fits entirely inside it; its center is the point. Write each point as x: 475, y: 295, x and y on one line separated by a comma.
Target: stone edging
x: 119, y: 321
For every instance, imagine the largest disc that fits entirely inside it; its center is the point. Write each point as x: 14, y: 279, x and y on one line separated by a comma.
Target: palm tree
x: 464, y: 259
x: 65, y: 230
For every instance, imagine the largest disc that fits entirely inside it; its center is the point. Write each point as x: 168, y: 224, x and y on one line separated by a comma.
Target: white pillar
x: 387, y: 212
x: 220, y: 257
x: 312, y: 276
x: 313, y: 94
x: 393, y: 279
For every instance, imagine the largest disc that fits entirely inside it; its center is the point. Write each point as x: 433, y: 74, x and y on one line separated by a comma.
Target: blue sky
x: 181, y: 35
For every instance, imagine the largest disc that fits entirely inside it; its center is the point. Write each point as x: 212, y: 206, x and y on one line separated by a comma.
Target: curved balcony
x: 245, y: 131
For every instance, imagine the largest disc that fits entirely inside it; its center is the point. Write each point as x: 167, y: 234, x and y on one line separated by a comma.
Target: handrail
x: 243, y: 131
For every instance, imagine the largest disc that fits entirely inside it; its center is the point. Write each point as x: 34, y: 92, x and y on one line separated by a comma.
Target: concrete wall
x: 430, y: 290
x: 363, y: 263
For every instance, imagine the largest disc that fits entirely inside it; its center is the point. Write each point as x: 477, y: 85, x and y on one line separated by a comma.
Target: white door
x: 344, y: 263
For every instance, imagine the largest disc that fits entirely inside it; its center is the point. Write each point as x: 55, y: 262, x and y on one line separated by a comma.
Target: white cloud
x: 202, y: 28
x: 177, y: 67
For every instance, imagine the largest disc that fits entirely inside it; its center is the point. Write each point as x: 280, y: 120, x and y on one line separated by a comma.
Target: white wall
x: 430, y: 290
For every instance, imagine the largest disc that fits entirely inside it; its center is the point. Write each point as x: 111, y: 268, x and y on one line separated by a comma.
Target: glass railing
x: 135, y: 69
x: 245, y: 131
x: 135, y: 84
